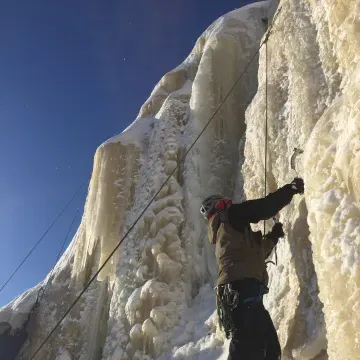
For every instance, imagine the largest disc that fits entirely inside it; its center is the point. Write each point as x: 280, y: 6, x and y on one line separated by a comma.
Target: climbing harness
x: 228, y: 299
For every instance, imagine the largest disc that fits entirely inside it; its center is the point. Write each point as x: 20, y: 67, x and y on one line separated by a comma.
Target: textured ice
x: 313, y: 105
x: 17, y: 312
x: 155, y: 299
x: 63, y: 354
x: 135, y: 133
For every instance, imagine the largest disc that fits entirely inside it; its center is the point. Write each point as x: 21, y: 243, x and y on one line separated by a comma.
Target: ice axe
x: 293, y: 158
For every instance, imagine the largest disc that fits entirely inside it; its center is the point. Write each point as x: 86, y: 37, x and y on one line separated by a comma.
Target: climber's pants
x: 255, y: 337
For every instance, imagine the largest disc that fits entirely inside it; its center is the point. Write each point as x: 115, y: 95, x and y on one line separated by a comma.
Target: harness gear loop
x: 229, y: 299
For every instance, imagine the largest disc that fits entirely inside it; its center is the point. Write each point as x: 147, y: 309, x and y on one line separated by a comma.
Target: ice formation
x: 155, y: 300
x: 63, y: 354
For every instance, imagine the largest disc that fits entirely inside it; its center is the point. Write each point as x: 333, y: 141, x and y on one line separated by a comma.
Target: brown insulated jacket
x: 240, y: 252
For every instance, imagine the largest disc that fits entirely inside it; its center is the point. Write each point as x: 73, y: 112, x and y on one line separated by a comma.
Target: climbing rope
x: 154, y: 196
x: 266, y: 125
x: 45, y: 233
x: 266, y: 130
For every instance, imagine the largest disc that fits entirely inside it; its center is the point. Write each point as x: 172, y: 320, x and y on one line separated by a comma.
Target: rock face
x: 154, y: 298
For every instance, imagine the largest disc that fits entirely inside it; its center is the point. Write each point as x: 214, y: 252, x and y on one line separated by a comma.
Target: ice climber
x: 242, y: 279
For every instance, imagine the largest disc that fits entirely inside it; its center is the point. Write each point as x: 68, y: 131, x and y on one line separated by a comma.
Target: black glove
x: 277, y: 231
x: 297, y: 185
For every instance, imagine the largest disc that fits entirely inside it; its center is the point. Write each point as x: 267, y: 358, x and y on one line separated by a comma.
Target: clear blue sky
x: 74, y: 73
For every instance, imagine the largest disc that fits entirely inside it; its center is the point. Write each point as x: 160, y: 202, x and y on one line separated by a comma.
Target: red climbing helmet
x: 212, y: 204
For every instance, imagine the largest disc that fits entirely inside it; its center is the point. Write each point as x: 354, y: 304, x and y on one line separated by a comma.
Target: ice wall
x: 332, y: 171
x: 63, y: 355
x: 155, y: 298
x: 167, y: 259
x: 313, y: 104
